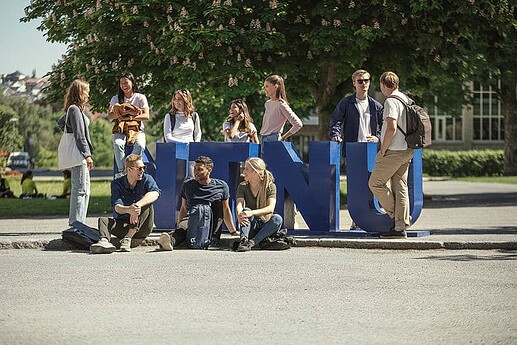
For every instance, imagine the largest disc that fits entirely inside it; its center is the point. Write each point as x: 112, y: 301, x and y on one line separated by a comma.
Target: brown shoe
x: 394, y: 234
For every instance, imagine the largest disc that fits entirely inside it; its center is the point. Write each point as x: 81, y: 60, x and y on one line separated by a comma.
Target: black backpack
x: 81, y: 235
x: 418, y: 125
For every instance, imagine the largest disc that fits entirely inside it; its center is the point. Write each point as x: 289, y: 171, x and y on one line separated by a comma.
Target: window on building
x: 488, y: 120
x: 445, y: 127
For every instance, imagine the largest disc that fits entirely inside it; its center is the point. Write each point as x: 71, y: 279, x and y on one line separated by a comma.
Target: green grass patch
x: 15, y: 208
x: 489, y: 179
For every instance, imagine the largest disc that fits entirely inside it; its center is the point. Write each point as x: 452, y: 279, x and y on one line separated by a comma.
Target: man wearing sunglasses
x: 132, y: 198
x: 358, y: 117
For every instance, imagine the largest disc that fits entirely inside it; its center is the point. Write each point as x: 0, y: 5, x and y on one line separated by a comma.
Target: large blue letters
x: 313, y: 187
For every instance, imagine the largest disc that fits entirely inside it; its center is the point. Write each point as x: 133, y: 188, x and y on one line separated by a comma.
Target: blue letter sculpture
x: 363, y: 207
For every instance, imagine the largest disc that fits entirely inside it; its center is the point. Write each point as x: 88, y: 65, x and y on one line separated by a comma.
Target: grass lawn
x: 17, y: 208
x: 489, y: 179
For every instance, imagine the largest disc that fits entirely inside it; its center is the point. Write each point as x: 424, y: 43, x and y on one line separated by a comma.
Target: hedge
x: 463, y: 163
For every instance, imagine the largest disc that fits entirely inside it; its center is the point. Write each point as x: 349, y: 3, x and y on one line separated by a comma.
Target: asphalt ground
x: 459, y: 215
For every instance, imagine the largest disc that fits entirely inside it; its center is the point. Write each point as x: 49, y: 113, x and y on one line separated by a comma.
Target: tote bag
x: 68, y: 154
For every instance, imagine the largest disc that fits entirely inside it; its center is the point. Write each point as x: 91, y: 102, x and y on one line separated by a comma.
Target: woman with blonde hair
x: 75, y: 121
x: 256, y: 200
x: 239, y: 126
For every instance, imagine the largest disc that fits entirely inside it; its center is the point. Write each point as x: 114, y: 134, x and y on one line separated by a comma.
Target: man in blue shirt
x: 132, y: 196
x: 202, y: 190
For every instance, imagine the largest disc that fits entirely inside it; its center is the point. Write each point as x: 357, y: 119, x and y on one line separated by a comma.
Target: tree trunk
x: 325, y: 94
x: 509, y: 109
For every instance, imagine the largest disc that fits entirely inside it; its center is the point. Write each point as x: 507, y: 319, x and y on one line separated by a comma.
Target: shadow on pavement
x: 471, y: 200
x: 464, y: 257
x: 497, y: 230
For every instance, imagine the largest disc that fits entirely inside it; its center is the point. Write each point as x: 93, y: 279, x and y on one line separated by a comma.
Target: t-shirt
x: 200, y: 194
x: 138, y: 100
x: 364, y: 119
x: 250, y: 201
x: 28, y: 186
x: 394, y: 108
x: 185, y: 129
x: 240, y: 137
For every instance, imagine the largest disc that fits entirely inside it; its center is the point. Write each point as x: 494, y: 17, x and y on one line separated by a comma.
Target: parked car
x: 19, y: 161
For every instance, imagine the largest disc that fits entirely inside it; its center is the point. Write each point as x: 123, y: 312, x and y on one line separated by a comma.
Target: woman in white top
x: 128, y: 93
x: 239, y: 126
x: 181, y: 123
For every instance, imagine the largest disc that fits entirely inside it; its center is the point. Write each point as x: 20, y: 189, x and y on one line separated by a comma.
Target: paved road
x: 300, y: 296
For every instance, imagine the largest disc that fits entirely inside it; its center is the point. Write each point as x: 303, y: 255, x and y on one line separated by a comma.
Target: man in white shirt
x: 392, y: 161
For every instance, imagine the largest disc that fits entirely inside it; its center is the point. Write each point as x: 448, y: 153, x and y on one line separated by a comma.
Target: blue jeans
x: 270, y: 137
x: 80, y: 194
x: 260, y: 228
x: 119, y: 142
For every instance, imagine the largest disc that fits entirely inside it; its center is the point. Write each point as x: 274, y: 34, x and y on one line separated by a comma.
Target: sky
x: 22, y: 46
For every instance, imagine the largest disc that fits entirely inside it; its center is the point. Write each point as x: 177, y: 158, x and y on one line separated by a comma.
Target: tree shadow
x: 496, y: 230
x: 471, y: 200
x: 503, y: 256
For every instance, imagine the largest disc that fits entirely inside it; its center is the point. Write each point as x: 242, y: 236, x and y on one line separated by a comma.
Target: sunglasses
x: 238, y: 100
x: 363, y: 81
x: 142, y: 168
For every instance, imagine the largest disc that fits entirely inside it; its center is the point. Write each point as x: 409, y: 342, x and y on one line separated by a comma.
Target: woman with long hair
x: 277, y: 112
x: 129, y: 109
x: 76, y: 122
x: 256, y: 200
x: 239, y: 126
x: 181, y: 123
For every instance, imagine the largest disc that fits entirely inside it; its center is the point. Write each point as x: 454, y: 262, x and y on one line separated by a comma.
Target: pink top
x: 275, y: 117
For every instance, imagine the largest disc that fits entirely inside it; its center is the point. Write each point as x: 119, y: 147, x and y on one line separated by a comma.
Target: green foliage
x: 224, y: 50
x: 12, y: 208
x: 36, y: 128
x: 10, y: 138
x: 100, y: 134
x: 463, y: 163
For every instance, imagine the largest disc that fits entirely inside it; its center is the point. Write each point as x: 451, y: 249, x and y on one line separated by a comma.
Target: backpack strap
x: 195, y: 119
x: 405, y: 106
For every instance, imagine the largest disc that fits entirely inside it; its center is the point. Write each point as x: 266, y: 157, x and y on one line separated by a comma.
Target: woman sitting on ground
x: 29, y: 189
x: 256, y: 200
x: 67, y: 185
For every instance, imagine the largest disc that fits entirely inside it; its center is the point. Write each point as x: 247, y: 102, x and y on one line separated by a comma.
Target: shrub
x: 463, y: 163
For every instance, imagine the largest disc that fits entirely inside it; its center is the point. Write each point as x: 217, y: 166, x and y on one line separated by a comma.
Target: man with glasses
x: 358, y: 117
x: 132, y: 198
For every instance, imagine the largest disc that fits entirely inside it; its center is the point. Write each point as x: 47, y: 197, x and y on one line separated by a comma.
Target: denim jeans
x: 119, y: 143
x: 80, y: 194
x: 270, y: 137
x: 260, y: 228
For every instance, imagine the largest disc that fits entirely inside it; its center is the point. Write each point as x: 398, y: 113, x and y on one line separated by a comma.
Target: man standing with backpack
x: 392, y: 161
x: 197, y: 218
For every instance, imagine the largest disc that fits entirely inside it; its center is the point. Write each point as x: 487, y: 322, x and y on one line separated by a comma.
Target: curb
x: 384, y: 244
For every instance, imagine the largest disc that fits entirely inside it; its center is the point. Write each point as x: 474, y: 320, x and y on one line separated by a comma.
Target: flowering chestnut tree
x: 225, y: 48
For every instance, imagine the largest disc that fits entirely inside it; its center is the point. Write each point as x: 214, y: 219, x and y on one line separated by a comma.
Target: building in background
x: 479, y: 126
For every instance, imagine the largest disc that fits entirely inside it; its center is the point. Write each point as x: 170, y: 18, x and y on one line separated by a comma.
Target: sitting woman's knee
x: 277, y: 219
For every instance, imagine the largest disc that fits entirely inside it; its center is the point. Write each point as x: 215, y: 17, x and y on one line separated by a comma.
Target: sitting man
x: 132, y: 196
x: 197, y: 196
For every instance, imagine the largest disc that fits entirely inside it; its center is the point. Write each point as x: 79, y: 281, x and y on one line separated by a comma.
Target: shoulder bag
x: 68, y: 155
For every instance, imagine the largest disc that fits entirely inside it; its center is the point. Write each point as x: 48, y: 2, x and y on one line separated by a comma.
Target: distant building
x: 479, y: 126
x: 19, y: 84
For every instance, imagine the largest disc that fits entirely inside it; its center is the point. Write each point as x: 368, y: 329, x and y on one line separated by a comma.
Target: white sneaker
x: 102, y: 247
x: 165, y: 241
x: 125, y: 244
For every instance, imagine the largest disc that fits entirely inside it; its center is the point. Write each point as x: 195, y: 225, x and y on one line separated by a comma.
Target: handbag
x: 68, y: 155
